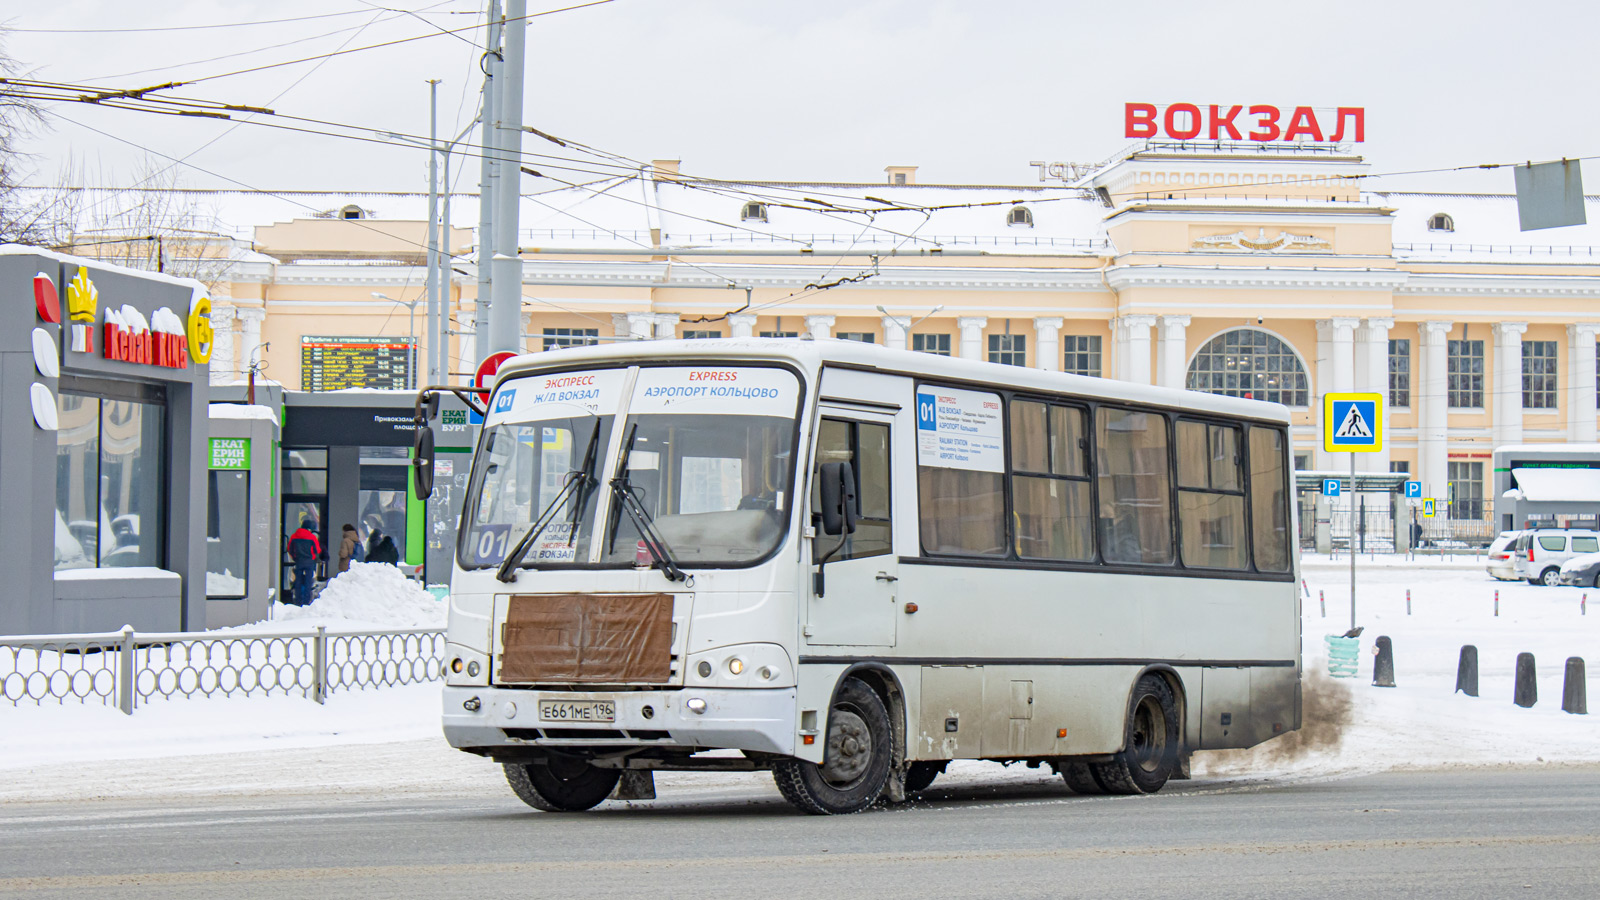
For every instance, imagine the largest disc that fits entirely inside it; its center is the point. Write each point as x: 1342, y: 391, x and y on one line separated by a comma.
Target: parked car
x: 1539, y: 553
x: 1582, y: 571
x: 1501, y: 564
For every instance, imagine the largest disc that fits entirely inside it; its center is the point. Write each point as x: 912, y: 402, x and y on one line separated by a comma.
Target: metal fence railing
x: 126, y: 668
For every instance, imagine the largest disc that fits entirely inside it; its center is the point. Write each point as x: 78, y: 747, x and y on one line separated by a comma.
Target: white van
x: 1539, y: 553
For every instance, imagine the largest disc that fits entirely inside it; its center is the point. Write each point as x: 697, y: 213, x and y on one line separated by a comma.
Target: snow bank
x: 242, y: 411
x: 372, y: 594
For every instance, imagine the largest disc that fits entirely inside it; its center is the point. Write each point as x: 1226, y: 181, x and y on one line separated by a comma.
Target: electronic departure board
x: 336, y: 363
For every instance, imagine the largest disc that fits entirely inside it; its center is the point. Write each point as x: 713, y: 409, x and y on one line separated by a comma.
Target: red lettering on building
x: 1183, y: 122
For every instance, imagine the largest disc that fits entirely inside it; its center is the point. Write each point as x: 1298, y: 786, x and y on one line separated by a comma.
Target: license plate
x: 577, y: 711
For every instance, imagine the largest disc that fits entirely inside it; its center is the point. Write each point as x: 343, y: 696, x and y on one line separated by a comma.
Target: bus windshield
x: 527, y: 467
x: 714, y: 487
x: 706, y: 451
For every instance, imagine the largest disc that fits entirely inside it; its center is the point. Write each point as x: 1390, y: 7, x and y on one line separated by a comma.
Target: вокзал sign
x: 1214, y: 122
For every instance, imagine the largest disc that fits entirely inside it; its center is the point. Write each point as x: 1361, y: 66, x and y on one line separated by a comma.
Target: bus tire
x: 1080, y: 779
x: 1150, y: 754
x: 922, y: 774
x: 856, y: 758
x: 561, y: 783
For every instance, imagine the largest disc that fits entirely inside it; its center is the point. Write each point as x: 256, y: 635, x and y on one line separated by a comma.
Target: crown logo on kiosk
x: 83, y: 306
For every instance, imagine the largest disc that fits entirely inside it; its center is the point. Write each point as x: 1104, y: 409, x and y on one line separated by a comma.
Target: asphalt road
x: 1460, y: 834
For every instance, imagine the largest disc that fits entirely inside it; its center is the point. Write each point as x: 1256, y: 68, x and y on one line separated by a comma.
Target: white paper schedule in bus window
x: 959, y: 430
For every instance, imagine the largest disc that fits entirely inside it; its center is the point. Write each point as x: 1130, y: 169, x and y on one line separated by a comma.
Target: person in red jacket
x: 304, y: 551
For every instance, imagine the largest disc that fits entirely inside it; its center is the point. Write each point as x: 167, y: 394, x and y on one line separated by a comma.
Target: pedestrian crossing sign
x: 1352, y: 423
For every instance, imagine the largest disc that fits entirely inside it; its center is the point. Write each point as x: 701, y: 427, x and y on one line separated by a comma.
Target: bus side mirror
x: 838, y: 489
x: 432, y: 407
x: 422, y: 462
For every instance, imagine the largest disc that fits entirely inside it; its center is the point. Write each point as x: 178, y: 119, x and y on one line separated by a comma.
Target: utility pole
x: 433, y: 231
x: 488, y: 192
x: 505, y: 310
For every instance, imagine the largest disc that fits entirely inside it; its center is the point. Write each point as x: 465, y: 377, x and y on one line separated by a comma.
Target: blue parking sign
x: 1413, y: 490
x: 1330, y: 487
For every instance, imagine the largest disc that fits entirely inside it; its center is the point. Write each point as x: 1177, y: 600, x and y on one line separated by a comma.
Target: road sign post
x: 1352, y: 423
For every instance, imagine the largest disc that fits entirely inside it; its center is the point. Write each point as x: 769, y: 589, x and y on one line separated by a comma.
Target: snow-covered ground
x: 386, y: 742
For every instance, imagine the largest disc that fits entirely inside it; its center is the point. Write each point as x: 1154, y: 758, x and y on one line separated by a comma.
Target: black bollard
x: 1574, y: 699
x: 1383, y: 665
x: 1527, y: 690
x: 1467, y: 671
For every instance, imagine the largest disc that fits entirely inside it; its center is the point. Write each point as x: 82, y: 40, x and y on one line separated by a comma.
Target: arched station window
x: 1252, y: 364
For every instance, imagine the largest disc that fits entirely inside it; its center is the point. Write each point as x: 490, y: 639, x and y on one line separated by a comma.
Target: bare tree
x: 26, y: 216
x: 155, y: 225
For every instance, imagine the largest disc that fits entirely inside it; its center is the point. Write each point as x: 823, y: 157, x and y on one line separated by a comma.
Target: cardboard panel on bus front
x: 587, y: 638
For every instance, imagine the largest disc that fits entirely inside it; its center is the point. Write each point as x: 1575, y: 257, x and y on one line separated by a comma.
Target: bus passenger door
x: 857, y: 606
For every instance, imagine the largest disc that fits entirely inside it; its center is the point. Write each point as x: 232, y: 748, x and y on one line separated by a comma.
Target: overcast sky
x: 822, y: 89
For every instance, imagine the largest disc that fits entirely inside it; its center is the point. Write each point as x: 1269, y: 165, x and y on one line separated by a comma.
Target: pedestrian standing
x: 304, y: 551
x: 348, y: 543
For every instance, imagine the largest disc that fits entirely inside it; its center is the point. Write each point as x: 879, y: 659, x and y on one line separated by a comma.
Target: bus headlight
x: 736, y: 666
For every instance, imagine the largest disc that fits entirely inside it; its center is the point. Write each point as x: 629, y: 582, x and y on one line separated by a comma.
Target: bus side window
x: 1051, y: 504
x: 1210, y: 496
x: 1135, y: 506
x: 865, y: 445
x: 1269, y: 500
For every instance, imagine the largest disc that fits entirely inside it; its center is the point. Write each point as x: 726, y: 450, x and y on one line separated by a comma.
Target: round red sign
x: 486, y: 369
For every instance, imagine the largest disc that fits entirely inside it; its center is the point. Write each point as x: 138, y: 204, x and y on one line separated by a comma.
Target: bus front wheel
x: 855, y: 765
x: 561, y: 783
x: 1150, y: 754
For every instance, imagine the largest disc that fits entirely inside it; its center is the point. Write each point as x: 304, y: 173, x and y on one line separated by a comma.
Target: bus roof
x: 815, y: 354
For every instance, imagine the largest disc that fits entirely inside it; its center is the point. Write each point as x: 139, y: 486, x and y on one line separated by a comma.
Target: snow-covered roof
x: 242, y: 411
x: 1565, y: 485
x: 1485, y: 227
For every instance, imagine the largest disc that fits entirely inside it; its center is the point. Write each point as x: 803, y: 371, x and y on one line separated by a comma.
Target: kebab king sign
x: 161, y: 340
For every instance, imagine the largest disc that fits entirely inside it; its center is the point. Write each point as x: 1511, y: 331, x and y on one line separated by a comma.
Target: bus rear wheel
x: 855, y: 766
x: 1150, y: 754
x: 561, y: 783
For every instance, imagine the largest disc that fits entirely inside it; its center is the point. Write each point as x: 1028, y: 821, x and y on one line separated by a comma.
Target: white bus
x: 850, y: 565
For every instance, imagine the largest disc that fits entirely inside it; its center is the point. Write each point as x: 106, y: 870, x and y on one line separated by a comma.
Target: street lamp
x: 909, y: 324
x: 411, y: 368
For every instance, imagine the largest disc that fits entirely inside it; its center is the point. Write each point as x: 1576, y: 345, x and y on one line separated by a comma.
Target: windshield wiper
x: 579, y: 483
x: 626, y: 503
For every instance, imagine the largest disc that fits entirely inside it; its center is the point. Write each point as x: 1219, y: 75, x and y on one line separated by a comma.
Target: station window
x: 1210, y: 496
x: 1400, y: 372
x: 1441, y: 222
x: 1464, y: 371
x: 1466, y: 490
x: 1249, y: 363
x: 862, y: 337
x: 556, y: 338
x: 1539, y: 374
x: 1020, y: 216
x: 1008, y: 349
x: 753, y: 212
x: 780, y: 334
x: 700, y: 335
x: 937, y: 344
x: 1082, y: 354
